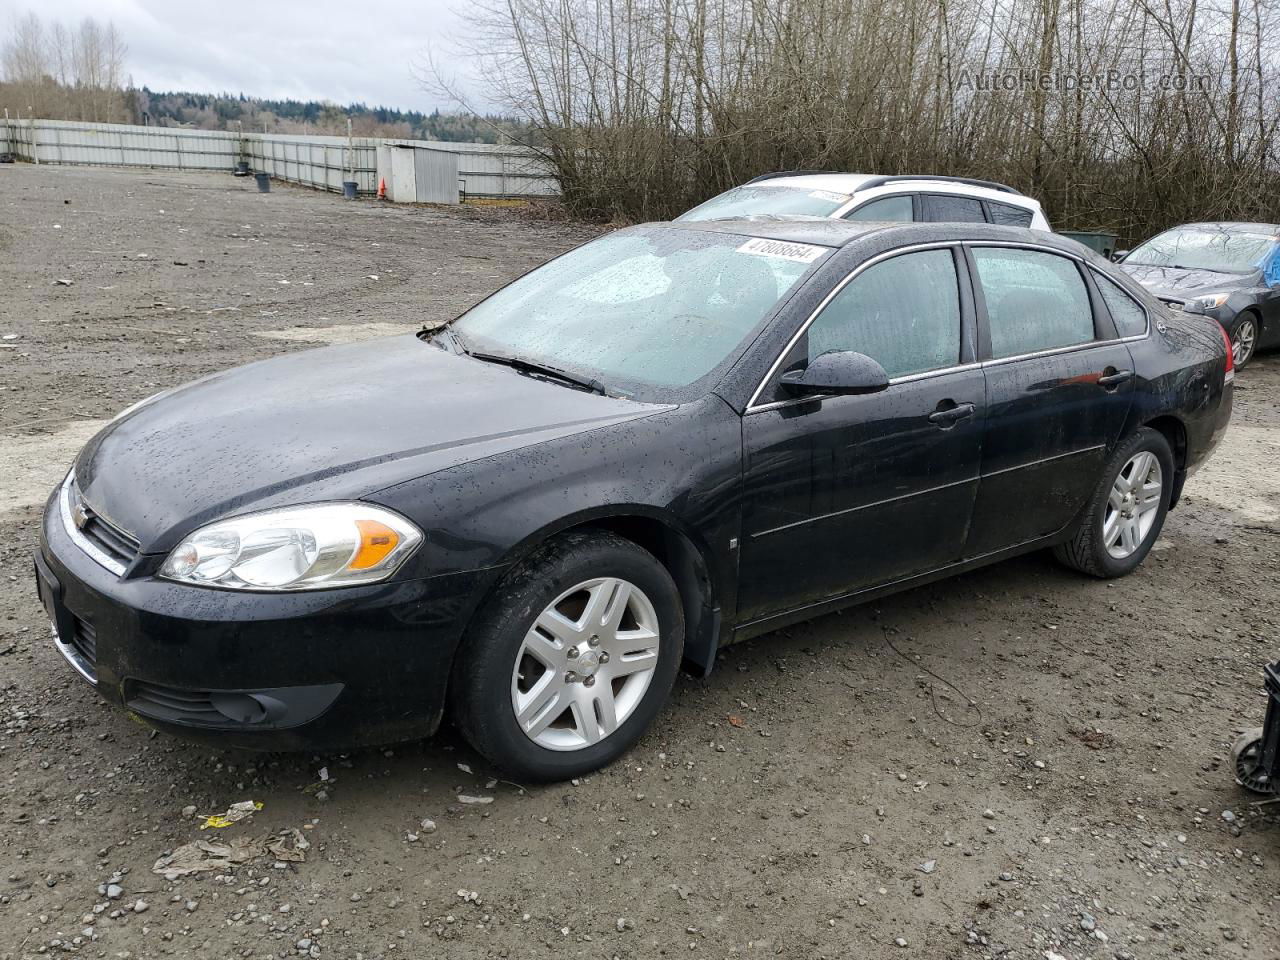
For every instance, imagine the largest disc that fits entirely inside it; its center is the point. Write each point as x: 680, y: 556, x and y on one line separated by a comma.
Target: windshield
x: 1198, y: 248
x: 641, y: 308
x: 758, y: 200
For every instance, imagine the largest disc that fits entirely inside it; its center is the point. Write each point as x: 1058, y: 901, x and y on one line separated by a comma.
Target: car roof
x: 1232, y: 226
x: 826, y: 232
x: 822, y: 231
x: 850, y: 183
x: 835, y: 182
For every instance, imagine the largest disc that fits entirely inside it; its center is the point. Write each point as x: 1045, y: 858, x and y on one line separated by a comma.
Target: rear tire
x: 570, y: 659
x: 1127, y: 510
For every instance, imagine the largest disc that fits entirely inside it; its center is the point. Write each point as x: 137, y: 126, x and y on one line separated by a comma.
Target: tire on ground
x: 1086, y: 551
x: 1252, y: 318
x: 480, y: 689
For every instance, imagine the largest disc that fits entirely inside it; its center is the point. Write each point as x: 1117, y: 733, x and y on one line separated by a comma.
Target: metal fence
x: 488, y: 171
x: 484, y: 170
x: 322, y: 162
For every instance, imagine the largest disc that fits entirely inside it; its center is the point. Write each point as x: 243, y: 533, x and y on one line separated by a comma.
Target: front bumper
x: 323, y: 669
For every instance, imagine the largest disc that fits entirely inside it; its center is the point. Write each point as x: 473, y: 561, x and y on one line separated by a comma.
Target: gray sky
x: 305, y: 49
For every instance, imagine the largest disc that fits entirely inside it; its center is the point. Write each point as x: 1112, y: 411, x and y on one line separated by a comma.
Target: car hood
x: 334, y: 423
x: 1175, y: 283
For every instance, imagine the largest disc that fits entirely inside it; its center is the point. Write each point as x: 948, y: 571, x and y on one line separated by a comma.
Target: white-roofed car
x: 860, y: 196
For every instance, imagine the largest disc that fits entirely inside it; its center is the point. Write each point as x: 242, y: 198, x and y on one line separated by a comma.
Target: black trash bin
x: 1096, y: 240
x: 1255, y: 756
x: 242, y: 168
x: 264, y: 182
x: 349, y: 189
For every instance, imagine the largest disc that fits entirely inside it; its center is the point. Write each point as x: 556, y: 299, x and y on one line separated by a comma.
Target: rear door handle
x: 949, y: 413
x: 1113, y: 379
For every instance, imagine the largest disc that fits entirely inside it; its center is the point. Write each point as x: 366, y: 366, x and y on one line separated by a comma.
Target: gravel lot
x: 829, y: 791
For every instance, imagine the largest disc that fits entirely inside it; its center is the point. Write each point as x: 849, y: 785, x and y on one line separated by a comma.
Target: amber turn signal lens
x: 376, y: 541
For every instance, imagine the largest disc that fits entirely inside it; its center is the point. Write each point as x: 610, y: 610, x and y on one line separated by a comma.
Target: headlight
x: 1208, y: 303
x: 296, y: 548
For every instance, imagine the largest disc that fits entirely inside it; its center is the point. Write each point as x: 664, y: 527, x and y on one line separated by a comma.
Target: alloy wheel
x: 1242, y: 341
x: 585, y: 664
x: 1132, y: 505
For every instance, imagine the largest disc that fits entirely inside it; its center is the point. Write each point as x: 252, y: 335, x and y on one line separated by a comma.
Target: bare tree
x: 1127, y: 114
x: 62, y: 72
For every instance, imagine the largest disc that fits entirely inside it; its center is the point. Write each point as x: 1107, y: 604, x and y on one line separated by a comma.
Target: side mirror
x: 838, y: 372
x: 1119, y: 255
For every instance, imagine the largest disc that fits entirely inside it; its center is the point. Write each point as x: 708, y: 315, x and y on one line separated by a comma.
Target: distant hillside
x: 77, y: 71
x: 224, y: 111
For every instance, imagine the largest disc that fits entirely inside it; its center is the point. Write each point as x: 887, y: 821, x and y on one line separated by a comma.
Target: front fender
x: 677, y: 471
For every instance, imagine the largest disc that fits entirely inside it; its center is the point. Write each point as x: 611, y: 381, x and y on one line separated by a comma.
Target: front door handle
x: 1111, y: 380
x: 949, y: 413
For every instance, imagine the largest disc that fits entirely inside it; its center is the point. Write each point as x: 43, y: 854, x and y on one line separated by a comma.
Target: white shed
x: 416, y: 174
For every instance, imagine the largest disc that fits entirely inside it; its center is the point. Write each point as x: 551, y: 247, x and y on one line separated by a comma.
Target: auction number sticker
x: 782, y: 250
x: 825, y: 195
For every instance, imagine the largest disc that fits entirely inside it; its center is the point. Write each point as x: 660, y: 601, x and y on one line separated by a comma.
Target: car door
x: 1058, y: 386
x: 843, y: 493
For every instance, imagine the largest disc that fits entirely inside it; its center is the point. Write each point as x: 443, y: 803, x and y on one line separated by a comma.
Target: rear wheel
x: 1126, y: 513
x: 571, y: 659
x: 1244, y: 339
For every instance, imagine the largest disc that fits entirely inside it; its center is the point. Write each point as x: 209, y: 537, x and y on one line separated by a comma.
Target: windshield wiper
x: 536, y: 369
x: 445, y: 329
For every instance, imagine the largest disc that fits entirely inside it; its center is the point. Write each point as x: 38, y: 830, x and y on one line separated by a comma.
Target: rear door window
x: 886, y: 208
x: 947, y: 208
x: 1009, y: 215
x: 1035, y: 300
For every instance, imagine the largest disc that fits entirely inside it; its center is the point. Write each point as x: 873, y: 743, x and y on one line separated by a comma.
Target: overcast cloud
x: 313, y: 50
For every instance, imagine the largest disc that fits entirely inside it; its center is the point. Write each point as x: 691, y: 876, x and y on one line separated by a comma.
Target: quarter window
x: 1009, y: 215
x: 1035, y: 301
x: 903, y: 312
x: 886, y: 208
x: 1131, y: 319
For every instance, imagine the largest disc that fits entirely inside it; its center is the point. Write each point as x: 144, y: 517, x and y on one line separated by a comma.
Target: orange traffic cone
x: 382, y: 189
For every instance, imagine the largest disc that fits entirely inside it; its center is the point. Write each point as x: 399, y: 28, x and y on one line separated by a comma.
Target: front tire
x: 1127, y: 510
x: 1244, y: 339
x: 570, y: 659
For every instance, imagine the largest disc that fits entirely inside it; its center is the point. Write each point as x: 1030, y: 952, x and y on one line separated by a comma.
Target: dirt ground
x: 828, y: 792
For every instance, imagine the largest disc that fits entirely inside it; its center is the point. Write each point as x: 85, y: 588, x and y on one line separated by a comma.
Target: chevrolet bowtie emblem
x: 79, y: 515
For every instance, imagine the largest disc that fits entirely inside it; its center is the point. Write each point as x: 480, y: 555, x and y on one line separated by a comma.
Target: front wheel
x: 1126, y: 513
x: 570, y: 659
x: 1244, y: 340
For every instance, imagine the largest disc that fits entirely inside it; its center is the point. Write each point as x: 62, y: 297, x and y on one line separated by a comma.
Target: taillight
x: 1231, y: 355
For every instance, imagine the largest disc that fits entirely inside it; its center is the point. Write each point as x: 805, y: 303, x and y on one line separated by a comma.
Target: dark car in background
x: 1228, y: 271
x: 669, y: 439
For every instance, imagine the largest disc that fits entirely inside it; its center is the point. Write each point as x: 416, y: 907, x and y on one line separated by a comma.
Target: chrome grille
x: 106, y: 543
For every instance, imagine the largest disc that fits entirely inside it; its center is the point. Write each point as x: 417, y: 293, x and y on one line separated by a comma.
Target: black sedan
x: 672, y: 438
x: 1228, y: 271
